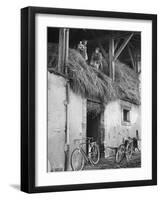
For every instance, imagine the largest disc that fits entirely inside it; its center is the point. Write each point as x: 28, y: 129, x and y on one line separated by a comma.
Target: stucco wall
x: 77, y: 121
x: 115, y: 129
x: 57, y: 119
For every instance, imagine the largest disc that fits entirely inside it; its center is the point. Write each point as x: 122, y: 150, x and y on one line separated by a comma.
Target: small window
x: 126, y: 115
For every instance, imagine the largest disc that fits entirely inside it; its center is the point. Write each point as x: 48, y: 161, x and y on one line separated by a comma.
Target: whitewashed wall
x: 77, y: 121
x: 115, y: 130
x: 57, y: 120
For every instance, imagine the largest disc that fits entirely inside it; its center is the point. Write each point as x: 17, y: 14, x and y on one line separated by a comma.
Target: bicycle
x: 126, y: 150
x: 79, y: 156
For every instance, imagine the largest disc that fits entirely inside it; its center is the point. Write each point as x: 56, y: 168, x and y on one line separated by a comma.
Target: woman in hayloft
x: 82, y: 48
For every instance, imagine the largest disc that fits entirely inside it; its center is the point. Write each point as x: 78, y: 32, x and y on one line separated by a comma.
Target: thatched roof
x: 92, y: 83
x: 127, y: 83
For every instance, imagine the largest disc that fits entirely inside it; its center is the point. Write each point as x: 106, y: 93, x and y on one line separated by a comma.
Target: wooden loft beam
x: 111, y: 56
x: 124, y: 35
x: 116, y: 44
x: 94, y: 100
x: 107, y: 36
x: 120, y: 35
x: 66, y: 49
x: 113, y: 62
x: 131, y: 58
x: 63, y: 49
x: 123, y: 46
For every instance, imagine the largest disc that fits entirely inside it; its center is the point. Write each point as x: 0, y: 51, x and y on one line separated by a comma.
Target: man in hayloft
x: 96, y: 59
x: 82, y: 48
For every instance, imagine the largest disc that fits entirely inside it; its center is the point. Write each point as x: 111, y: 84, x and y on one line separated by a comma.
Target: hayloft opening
x: 125, y: 45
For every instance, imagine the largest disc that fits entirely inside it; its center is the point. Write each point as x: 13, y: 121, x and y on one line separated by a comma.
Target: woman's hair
x: 84, y: 41
x: 97, y: 48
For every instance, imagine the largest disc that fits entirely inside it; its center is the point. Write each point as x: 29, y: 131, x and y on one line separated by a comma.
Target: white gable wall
x: 77, y: 121
x: 57, y: 120
x: 115, y: 129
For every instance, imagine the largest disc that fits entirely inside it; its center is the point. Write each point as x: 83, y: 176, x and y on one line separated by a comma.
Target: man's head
x: 85, y: 42
x: 97, y: 49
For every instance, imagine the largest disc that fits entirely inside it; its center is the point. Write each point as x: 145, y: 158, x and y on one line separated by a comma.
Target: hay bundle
x: 126, y: 83
x: 88, y: 81
x: 92, y: 83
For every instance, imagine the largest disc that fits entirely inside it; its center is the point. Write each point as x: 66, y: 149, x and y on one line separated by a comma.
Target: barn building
x: 87, y: 102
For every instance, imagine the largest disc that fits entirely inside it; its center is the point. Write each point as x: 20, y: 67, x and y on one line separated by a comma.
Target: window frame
x: 128, y: 108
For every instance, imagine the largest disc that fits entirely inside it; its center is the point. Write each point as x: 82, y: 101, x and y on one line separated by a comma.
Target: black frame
x: 28, y: 98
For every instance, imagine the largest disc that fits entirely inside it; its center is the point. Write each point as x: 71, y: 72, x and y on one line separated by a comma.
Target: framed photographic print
x: 88, y: 99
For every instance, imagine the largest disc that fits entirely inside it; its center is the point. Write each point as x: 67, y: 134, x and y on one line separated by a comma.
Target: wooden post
x: 122, y: 47
x: 63, y: 53
x: 116, y: 43
x: 111, y: 58
x: 113, y: 62
x: 66, y: 49
x: 66, y: 149
x: 63, y: 49
x: 131, y: 58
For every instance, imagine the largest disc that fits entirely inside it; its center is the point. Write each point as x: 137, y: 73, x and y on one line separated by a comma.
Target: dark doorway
x: 94, y: 111
x: 93, y: 126
x: 95, y: 123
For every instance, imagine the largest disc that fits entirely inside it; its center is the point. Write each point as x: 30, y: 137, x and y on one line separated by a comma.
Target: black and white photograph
x: 89, y: 86
x: 94, y: 99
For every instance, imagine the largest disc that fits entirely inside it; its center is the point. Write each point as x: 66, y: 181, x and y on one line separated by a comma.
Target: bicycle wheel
x: 120, y: 153
x: 129, y: 151
x: 95, y: 154
x: 77, y: 160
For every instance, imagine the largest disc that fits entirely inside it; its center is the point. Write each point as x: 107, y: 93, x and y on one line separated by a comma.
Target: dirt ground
x: 109, y: 163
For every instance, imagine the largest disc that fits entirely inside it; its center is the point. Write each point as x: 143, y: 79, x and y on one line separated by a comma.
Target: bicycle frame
x: 86, y: 155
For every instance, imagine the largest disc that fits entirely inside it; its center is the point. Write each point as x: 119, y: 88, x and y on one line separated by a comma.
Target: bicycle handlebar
x: 86, y: 139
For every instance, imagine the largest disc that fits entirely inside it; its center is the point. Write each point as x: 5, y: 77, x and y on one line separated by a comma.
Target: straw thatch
x: 127, y: 83
x: 92, y: 83
x: 94, y: 109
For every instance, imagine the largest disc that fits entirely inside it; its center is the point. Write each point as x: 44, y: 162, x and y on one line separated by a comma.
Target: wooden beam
x: 123, y: 46
x: 131, y: 58
x: 113, y: 62
x: 63, y: 49
x: 66, y: 49
x: 107, y: 36
x: 136, y: 59
x: 111, y: 58
x: 116, y: 44
x: 94, y: 100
